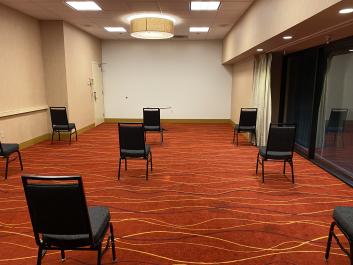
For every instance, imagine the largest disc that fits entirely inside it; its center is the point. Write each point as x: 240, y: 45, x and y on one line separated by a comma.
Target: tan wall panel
x: 52, y: 33
x: 81, y: 49
x: 22, y: 82
x: 266, y: 19
x: 242, y: 87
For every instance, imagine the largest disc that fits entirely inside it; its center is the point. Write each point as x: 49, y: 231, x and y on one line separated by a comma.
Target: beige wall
x: 22, y: 82
x: 81, y: 49
x: 52, y: 33
x: 242, y: 87
x: 266, y: 19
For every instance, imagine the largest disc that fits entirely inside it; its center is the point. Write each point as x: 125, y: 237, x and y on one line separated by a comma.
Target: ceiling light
x: 151, y: 27
x: 199, y: 29
x: 351, y: 50
x: 115, y: 29
x: 84, y: 5
x: 260, y: 50
x: 346, y: 11
x: 204, y: 6
x: 152, y: 15
x: 287, y: 37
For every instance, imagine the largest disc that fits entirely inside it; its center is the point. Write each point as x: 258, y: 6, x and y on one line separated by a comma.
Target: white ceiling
x: 115, y: 13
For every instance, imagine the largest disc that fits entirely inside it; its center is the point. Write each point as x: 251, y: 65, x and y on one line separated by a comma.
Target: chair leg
x: 263, y: 170
x: 113, y: 241
x: 119, y: 168
x: 62, y: 255
x: 151, y: 160
x: 76, y: 133
x: 59, y: 135
x: 257, y: 162
x: 52, y: 137
x: 125, y: 164
x: 39, y: 256
x: 284, y: 167
x: 329, y: 240
x: 147, y: 168
x: 19, y: 158
x: 255, y: 139
x: 233, y: 136
x: 161, y: 136
x: 144, y: 135
x: 99, y: 256
x: 351, y: 252
x: 70, y: 136
x: 7, y: 167
x: 292, y: 167
x: 237, y: 138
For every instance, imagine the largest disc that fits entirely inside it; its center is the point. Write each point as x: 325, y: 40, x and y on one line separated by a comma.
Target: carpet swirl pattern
x: 203, y: 203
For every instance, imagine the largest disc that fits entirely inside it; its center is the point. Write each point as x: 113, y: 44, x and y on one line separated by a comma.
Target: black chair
x: 60, y: 123
x: 247, y: 122
x: 132, y: 144
x: 6, y: 150
x: 61, y: 219
x: 280, y: 146
x: 336, y: 123
x: 343, y: 219
x: 152, y: 121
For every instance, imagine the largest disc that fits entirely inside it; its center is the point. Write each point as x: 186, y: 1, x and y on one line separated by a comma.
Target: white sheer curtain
x: 262, y: 96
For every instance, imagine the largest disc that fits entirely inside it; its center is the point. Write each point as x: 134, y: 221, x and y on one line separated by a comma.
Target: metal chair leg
x: 257, y: 162
x: 76, y: 133
x: 113, y: 241
x: 59, y: 135
x: 52, y: 137
x: 147, y: 168
x: 7, y: 167
x: 263, y: 170
x: 119, y: 168
x: 284, y: 167
x: 19, y: 158
x: 292, y: 167
x: 233, y: 136
x: 237, y: 138
x: 62, y: 255
x: 70, y: 137
x: 255, y: 139
x: 329, y: 240
x: 39, y: 256
x: 99, y: 256
x: 125, y: 164
x: 161, y: 135
x: 151, y: 160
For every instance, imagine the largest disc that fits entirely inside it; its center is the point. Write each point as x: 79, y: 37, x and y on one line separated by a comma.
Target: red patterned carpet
x: 203, y: 203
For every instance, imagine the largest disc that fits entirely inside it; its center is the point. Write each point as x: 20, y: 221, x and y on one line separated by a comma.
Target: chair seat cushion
x: 274, y: 154
x: 64, y: 127
x: 152, y: 128
x: 245, y: 128
x: 8, y: 149
x: 135, y: 153
x: 343, y: 215
x: 99, y: 218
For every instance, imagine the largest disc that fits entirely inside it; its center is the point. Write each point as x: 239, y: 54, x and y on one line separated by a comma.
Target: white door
x: 97, y: 88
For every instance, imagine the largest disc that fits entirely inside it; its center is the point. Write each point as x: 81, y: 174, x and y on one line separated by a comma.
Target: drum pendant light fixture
x: 150, y: 27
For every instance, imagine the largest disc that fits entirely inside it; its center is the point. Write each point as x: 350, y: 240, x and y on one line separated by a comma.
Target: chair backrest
x: 58, y: 116
x: 57, y: 205
x: 337, y: 119
x: 152, y: 117
x: 131, y: 136
x: 281, y: 138
x: 248, y: 117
